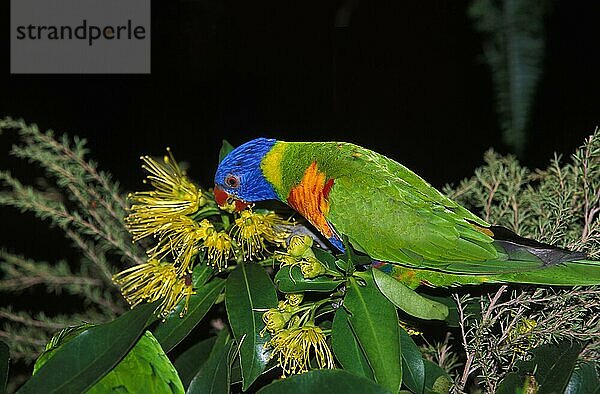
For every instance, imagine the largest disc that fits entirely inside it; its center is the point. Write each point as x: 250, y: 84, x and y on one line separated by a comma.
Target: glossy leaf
x: 4, y: 363
x: 374, y: 320
x: 174, y: 329
x: 249, y: 292
x: 214, y: 375
x: 409, y: 300
x: 552, y: 365
x: 330, y: 381
x: 189, y: 362
x: 202, y: 273
x: 295, y: 282
x: 226, y: 147
x: 584, y: 380
x: 437, y: 380
x: 85, y: 359
x: 413, y: 368
x: 346, y: 347
x: 325, y: 257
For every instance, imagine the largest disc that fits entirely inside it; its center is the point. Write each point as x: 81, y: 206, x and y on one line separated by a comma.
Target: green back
x: 392, y: 214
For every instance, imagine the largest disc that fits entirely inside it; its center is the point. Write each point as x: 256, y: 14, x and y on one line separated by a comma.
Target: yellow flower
x: 154, y: 281
x: 519, y: 333
x: 182, y: 238
x: 252, y: 229
x: 219, y: 248
x: 294, y: 347
x: 410, y: 330
x: 173, y: 194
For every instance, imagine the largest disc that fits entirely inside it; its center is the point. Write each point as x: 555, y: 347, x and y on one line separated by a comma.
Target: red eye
x: 232, y: 181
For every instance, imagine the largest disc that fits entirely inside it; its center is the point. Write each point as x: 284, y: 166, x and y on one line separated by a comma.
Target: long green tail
x: 522, y: 261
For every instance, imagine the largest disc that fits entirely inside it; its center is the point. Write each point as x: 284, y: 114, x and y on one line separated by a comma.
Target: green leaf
x: 325, y: 257
x: 290, y: 280
x: 213, y: 376
x: 330, y: 381
x: 4, y: 364
x: 436, y: 379
x: 584, y: 380
x: 374, y: 321
x: 85, y: 359
x: 248, y: 294
x: 453, y: 318
x: 189, y: 362
x: 174, y: 329
x: 201, y: 274
x: 409, y: 300
x: 413, y: 368
x: 346, y: 347
x: 552, y: 365
x: 226, y: 147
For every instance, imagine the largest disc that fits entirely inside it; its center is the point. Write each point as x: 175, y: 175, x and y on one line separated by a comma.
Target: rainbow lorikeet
x: 391, y: 214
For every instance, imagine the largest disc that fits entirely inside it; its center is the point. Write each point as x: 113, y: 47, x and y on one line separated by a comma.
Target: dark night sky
x: 404, y: 78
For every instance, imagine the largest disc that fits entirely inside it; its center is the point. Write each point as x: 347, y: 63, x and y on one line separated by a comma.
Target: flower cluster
x: 295, y: 336
x: 180, y: 217
x: 253, y: 229
x: 154, y: 281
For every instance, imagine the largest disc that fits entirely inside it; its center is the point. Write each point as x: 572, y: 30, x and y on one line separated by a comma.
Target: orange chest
x: 311, y: 198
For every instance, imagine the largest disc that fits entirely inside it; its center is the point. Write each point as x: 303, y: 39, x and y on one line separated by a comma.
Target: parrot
x: 145, y: 369
x: 408, y: 228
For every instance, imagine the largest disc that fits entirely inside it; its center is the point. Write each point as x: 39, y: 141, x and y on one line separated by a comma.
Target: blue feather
x: 244, y: 163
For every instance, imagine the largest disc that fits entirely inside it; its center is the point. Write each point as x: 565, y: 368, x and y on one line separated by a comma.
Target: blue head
x: 240, y: 177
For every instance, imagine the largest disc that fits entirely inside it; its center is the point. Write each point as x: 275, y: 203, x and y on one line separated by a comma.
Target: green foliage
x: 374, y: 321
x: 87, y: 205
x: 558, y: 205
x: 325, y: 381
x: 214, y: 375
x: 303, y: 311
x: 249, y: 291
x: 408, y: 300
x: 513, y: 35
x: 175, y: 328
x: 346, y: 347
x: 549, y: 368
x: 189, y: 362
x: 82, y: 361
x: 413, y: 365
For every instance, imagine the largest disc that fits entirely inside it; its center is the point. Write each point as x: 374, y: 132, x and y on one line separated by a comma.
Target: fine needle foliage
x: 86, y: 204
x: 290, y: 314
x: 559, y: 205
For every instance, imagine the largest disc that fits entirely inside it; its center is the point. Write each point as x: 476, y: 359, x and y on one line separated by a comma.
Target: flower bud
x: 299, y: 245
x: 294, y: 299
x: 311, y: 268
x: 275, y: 320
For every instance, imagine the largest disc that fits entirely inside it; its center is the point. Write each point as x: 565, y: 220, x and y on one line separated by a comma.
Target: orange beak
x: 222, y: 199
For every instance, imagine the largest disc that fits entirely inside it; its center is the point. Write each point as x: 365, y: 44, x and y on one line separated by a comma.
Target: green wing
x: 395, y: 216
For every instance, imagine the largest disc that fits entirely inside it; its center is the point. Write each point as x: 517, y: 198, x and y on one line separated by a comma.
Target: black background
x: 403, y: 78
